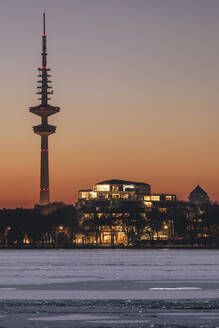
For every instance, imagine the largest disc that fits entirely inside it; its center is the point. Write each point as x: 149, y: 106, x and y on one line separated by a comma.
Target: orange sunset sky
x: 138, y: 86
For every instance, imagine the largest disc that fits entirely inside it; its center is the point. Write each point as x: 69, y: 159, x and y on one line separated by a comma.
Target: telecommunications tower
x: 44, y: 110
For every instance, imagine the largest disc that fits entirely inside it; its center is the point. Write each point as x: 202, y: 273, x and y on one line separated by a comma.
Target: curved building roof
x: 121, y: 182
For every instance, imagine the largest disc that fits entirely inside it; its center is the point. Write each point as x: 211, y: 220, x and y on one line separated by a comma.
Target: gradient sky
x: 138, y: 86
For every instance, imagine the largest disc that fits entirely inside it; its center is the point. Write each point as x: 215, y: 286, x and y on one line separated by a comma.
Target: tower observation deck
x: 44, y: 110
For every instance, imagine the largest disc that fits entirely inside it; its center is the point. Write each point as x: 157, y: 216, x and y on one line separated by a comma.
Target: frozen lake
x: 109, y: 288
x: 109, y: 274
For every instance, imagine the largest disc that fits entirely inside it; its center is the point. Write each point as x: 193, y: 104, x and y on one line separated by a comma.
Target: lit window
x: 116, y: 196
x: 115, y: 188
x: 26, y: 240
x: 162, y: 210
x: 84, y: 195
x: 155, y: 198
x: 128, y: 187
x: 168, y: 197
x: 103, y: 187
x: 93, y: 194
x: 125, y: 196
x: 148, y: 204
x: 147, y: 198
x: 105, y: 195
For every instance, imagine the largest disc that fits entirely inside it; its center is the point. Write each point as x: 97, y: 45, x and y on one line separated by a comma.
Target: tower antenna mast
x: 44, y: 110
x: 44, y: 23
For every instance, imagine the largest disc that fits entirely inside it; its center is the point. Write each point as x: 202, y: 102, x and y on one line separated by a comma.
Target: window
x: 116, y: 196
x: 128, y: 187
x: 103, y: 187
x: 163, y: 210
x: 84, y: 195
x: 155, y: 198
x: 169, y: 197
x: 125, y: 196
x: 148, y: 204
x: 115, y: 188
x: 147, y: 198
x: 93, y: 194
x: 105, y: 195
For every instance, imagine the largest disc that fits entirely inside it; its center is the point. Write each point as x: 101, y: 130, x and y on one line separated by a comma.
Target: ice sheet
x: 160, y: 274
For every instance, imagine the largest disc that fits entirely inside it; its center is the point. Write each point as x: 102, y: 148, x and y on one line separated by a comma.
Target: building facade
x: 199, y: 197
x: 118, y: 212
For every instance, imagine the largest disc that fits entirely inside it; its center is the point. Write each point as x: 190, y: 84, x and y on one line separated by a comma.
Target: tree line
x: 60, y: 224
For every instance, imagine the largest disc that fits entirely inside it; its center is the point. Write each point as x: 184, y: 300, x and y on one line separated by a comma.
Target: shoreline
x: 93, y: 247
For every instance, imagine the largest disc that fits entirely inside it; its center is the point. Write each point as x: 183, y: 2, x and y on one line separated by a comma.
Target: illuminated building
x: 123, y: 190
x: 116, y: 189
x: 44, y: 110
x: 157, y: 199
x: 119, y: 201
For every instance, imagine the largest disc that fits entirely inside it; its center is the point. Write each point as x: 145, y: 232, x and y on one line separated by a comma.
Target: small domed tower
x: 198, y: 196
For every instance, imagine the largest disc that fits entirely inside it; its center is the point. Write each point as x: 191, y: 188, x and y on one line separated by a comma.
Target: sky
x: 138, y: 86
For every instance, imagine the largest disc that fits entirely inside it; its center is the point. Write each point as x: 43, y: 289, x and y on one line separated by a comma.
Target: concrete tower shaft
x: 44, y: 172
x: 44, y: 110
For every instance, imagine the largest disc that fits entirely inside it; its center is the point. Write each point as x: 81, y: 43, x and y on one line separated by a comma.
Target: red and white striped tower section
x: 44, y: 110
